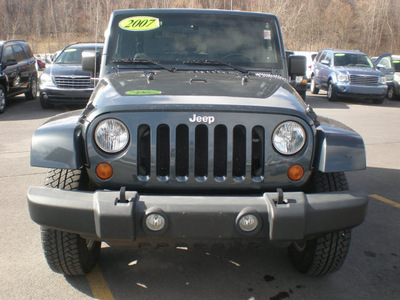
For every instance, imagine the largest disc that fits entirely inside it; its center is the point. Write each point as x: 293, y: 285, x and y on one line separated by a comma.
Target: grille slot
x: 220, y: 152
x: 143, y: 154
x: 182, y: 152
x: 201, y: 152
x: 368, y: 80
x: 257, y: 157
x: 163, y: 154
x: 239, y: 153
x: 81, y: 82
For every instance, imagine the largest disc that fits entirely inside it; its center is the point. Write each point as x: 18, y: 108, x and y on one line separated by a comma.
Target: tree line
x: 371, y: 26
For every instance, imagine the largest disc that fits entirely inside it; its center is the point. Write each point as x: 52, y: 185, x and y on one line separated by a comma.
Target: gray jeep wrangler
x: 194, y: 134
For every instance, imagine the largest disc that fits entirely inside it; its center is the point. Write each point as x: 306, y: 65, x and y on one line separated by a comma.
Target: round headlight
x: 288, y: 138
x: 343, y: 77
x: 111, y: 135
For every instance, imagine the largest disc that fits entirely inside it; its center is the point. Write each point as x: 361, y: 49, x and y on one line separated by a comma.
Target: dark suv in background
x: 64, y: 81
x: 18, y: 72
x: 348, y: 74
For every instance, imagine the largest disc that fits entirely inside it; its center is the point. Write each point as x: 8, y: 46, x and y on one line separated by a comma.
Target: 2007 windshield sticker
x: 143, y: 92
x: 139, y: 23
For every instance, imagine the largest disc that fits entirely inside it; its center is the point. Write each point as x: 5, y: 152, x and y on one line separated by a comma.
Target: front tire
x: 33, y: 88
x: 331, y: 94
x: 2, y: 99
x: 313, y: 86
x: 391, y: 94
x: 326, y: 253
x: 68, y: 253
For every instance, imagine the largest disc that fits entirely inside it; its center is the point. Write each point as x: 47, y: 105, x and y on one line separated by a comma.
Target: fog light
x: 155, y: 222
x: 248, y: 223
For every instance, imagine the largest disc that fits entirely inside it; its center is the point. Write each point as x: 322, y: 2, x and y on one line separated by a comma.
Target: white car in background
x: 310, y: 55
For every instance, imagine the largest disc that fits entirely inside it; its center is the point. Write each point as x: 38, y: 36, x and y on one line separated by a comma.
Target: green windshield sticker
x: 69, y: 50
x: 340, y: 54
x: 140, y: 23
x: 396, y: 61
x: 143, y: 92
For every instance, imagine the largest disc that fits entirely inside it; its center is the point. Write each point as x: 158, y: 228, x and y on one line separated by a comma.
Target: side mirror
x: 297, y: 65
x: 380, y: 67
x: 325, y: 62
x: 91, y: 61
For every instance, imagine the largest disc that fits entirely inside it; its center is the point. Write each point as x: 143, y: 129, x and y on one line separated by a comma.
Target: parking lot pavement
x: 371, y: 271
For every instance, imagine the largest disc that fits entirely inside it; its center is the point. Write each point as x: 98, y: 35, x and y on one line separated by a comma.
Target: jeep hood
x: 191, y: 90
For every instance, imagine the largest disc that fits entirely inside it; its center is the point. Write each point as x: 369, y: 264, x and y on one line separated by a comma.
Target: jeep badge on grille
x: 202, y: 119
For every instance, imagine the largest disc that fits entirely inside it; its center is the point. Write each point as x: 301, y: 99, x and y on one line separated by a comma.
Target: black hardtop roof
x: 191, y: 11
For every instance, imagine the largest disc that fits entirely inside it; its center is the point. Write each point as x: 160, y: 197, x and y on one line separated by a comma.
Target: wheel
x: 45, y: 103
x: 313, y: 86
x: 68, y: 253
x: 331, y: 92
x: 2, y: 99
x: 31, y: 94
x: 326, y: 253
x: 391, y: 94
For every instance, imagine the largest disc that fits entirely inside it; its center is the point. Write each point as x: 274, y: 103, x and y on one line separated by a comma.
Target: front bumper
x: 66, y: 96
x: 101, y: 216
x: 359, y: 91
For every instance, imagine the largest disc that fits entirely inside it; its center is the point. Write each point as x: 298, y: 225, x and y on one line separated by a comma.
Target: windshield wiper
x: 206, y: 62
x: 142, y: 61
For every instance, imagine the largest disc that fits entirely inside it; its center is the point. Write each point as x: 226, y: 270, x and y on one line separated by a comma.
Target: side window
x: 329, y: 58
x: 27, y: 50
x: 8, y: 53
x: 318, y: 56
x: 322, y: 56
x: 19, y: 53
x: 386, y: 62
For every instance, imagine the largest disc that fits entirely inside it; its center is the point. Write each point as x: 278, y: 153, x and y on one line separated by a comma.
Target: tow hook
x: 280, y: 199
x: 122, y: 197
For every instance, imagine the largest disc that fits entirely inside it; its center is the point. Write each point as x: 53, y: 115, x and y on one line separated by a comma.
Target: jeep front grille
x: 210, y: 153
x: 367, y: 80
x: 81, y: 82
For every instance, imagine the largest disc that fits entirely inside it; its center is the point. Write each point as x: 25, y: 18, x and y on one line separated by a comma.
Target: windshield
x: 352, y: 60
x: 73, y: 55
x: 187, y: 40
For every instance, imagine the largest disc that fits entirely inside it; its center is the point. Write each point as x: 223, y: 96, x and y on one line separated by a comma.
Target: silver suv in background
x: 350, y: 74
x: 389, y: 65
x: 64, y: 81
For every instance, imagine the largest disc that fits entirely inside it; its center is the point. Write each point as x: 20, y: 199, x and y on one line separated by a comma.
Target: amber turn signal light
x: 295, y: 172
x: 104, y: 171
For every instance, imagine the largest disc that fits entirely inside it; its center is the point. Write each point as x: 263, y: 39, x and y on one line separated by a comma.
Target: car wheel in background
x: 391, y: 94
x: 313, y: 88
x: 45, y: 101
x: 33, y: 88
x: 2, y: 99
x: 331, y: 92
